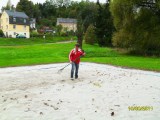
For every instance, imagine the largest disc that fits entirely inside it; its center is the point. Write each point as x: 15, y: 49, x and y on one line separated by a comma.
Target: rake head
x: 60, y: 70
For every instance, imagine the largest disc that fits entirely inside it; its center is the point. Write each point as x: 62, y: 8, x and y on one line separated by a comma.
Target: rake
x: 60, y: 70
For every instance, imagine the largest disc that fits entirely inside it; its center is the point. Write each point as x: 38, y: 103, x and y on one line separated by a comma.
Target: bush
x: 34, y: 34
x: 90, y: 37
x: 63, y: 34
x: 71, y: 33
x: 1, y: 33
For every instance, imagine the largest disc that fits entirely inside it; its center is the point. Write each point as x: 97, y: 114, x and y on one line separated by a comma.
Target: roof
x: 16, y: 14
x: 66, y: 20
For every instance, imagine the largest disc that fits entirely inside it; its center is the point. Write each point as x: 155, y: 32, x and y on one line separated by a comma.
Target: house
x: 0, y: 20
x: 70, y: 24
x: 13, y: 23
x: 45, y: 29
x: 33, y: 23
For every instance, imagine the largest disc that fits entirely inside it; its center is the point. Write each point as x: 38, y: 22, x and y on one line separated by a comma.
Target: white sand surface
x: 40, y: 93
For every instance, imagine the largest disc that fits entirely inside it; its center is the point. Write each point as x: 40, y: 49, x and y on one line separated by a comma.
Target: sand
x: 101, y: 92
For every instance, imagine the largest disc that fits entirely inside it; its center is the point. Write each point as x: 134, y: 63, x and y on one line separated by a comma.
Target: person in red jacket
x: 74, y: 58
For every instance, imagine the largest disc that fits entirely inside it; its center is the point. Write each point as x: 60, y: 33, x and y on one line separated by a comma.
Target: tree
x: 90, y: 37
x: 104, y: 25
x: 87, y: 10
x: 72, y: 10
x: 27, y: 7
x: 60, y: 3
x: 8, y: 6
x: 86, y: 16
x: 137, y: 25
x: 80, y: 31
x: 37, y: 13
x: 59, y: 29
x: 1, y: 33
x: 47, y: 9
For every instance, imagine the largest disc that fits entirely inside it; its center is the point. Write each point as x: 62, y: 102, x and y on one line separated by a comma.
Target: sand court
x: 102, y: 92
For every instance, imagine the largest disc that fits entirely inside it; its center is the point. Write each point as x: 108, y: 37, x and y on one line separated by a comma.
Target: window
x: 14, y: 19
x: 14, y: 26
x: 6, y: 26
x: 15, y: 33
x: 24, y: 20
x: 25, y: 34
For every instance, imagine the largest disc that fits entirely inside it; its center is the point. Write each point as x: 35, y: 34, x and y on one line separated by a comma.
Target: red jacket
x: 73, y: 56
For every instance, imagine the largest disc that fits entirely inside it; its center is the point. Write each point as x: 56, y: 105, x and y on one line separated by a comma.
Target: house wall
x: 10, y: 31
x: 69, y: 26
x: 5, y: 23
x: 19, y: 29
x: 0, y: 21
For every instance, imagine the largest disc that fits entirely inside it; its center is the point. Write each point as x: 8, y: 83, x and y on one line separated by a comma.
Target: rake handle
x: 71, y: 62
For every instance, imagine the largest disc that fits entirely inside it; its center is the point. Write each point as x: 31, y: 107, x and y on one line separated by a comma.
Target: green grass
x: 32, y: 41
x: 112, y: 57
x: 55, y: 53
x: 33, y: 54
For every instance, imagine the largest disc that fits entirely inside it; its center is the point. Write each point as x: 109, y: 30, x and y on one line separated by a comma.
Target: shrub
x: 1, y: 33
x: 90, y: 37
x: 34, y: 34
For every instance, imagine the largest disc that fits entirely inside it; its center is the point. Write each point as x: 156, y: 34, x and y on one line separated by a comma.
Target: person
x: 74, y: 58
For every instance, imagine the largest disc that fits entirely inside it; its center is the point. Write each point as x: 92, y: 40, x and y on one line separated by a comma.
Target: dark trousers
x: 74, y: 68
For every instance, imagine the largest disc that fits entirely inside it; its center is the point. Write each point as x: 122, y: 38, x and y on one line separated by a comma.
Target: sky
x: 14, y: 2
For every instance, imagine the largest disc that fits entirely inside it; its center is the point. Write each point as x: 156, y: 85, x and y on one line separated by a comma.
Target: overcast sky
x: 14, y: 2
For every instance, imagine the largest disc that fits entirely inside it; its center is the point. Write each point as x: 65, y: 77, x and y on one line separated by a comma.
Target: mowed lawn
x: 32, y: 41
x: 20, y: 55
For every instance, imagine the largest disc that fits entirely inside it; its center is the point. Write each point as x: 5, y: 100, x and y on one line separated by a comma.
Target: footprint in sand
x: 112, y: 113
x: 4, y: 100
x: 55, y: 108
x: 41, y: 113
x: 46, y: 104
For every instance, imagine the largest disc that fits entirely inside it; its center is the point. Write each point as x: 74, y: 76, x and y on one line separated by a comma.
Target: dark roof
x: 66, y: 20
x: 16, y: 14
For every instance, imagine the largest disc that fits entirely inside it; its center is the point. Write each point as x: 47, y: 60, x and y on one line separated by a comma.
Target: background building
x: 13, y: 23
x: 0, y: 20
x: 70, y: 24
x: 33, y: 23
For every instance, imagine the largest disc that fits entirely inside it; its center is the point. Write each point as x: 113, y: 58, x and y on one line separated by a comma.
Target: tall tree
x: 36, y: 12
x: 88, y: 12
x: 104, y: 25
x: 8, y: 6
x: 48, y: 9
x: 80, y: 31
x: 27, y: 7
x: 60, y: 3
x: 137, y: 25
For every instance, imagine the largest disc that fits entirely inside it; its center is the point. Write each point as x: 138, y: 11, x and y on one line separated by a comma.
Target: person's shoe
x: 72, y: 79
x: 76, y: 77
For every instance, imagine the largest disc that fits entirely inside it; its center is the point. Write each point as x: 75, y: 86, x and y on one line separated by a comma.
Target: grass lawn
x: 32, y: 41
x: 54, y: 53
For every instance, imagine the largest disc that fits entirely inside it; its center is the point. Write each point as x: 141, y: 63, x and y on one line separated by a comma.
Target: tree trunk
x: 80, y: 40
